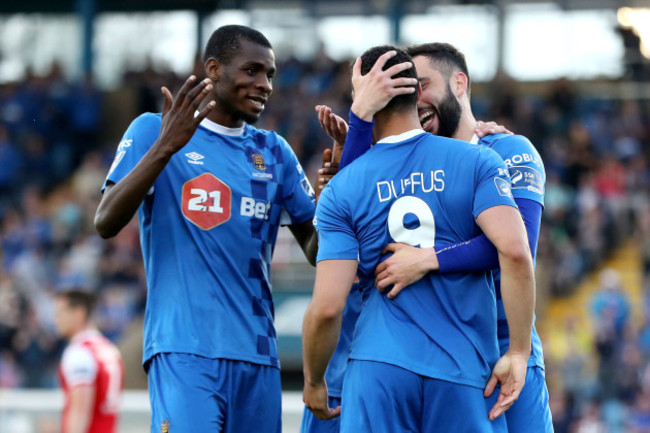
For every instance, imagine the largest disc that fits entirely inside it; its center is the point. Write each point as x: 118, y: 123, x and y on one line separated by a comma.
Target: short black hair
x: 446, y: 58
x: 79, y: 298
x: 224, y: 42
x: 368, y: 60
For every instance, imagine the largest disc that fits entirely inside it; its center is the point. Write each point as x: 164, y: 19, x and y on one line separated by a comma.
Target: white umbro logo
x: 195, y: 158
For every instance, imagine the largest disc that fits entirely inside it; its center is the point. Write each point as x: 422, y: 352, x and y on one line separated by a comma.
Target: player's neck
x: 224, y: 118
x: 82, y: 329
x: 387, y: 124
x: 466, y: 125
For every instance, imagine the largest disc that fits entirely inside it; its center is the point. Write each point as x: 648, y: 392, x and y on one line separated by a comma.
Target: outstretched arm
x: 120, y: 201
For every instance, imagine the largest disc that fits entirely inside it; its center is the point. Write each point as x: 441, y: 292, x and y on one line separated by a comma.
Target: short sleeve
x: 78, y: 366
x: 298, y: 201
x: 527, y: 174
x: 336, y: 238
x: 137, y: 140
x: 492, y: 182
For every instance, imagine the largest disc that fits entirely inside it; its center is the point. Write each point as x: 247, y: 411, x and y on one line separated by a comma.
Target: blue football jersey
x: 528, y: 180
x: 422, y: 190
x: 207, y: 228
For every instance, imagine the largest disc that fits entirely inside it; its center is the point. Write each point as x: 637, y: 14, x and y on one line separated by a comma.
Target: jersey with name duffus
x: 208, y: 228
x: 528, y: 179
x: 418, y: 189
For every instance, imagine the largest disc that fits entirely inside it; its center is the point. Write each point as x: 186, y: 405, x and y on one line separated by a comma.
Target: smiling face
x: 438, y: 108
x: 245, y: 83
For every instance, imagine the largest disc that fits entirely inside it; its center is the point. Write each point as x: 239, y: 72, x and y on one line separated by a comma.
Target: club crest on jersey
x: 164, y: 427
x: 258, y: 162
x: 260, y: 166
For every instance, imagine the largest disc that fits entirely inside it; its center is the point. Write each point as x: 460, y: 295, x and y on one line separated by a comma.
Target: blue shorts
x: 190, y: 393
x: 311, y: 424
x: 379, y: 397
x: 531, y: 413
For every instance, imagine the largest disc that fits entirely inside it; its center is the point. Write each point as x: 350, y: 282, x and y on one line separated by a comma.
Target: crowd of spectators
x: 54, y: 154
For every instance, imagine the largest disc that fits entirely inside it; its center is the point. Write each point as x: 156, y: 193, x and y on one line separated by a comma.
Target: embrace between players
x: 439, y: 230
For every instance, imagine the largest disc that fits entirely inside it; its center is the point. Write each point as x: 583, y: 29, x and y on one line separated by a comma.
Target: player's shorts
x: 311, y: 424
x: 190, y: 393
x: 379, y: 397
x: 531, y: 413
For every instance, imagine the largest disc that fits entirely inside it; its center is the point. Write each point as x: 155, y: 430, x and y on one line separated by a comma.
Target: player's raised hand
x: 333, y: 125
x: 327, y: 171
x: 407, y: 265
x: 375, y: 89
x: 510, y: 372
x: 488, y: 128
x: 315, y: 398
x: 178, y: 121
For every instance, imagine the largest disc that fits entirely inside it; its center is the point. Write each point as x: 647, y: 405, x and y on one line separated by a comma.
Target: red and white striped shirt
x: 91, y: 359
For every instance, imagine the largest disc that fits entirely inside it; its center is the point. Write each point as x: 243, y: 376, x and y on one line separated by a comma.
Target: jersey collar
x: 401, y: 137
x: 474, y: 139
x: 219, y: 129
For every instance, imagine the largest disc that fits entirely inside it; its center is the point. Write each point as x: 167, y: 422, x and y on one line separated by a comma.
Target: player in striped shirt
x: 91, y: 371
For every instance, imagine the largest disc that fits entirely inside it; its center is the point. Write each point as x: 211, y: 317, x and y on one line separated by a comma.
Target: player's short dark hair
x: 445, y: 57
x: 368, y: 60
x: 225, y: 41
x: 80, y: 298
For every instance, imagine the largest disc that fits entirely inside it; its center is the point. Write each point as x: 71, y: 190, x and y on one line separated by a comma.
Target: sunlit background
x: 539, y: 41
x: 571, y: 75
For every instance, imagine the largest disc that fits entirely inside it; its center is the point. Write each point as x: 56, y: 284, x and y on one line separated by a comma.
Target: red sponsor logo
x: 206, y: 201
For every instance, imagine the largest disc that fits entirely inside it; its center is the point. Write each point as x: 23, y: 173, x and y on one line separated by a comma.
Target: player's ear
x: 459, y: 82
x: 212, y: 69
x: 419, y: 92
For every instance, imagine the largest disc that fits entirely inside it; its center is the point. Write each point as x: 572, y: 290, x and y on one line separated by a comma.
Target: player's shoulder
x: 269, y: 139
x: 453, y: 146
x: 516, y: 150
x: 356, y: 170
x: 463, y: 150
x: 77, y: 353
x: 266, y: 136
x: 142, y: 131
x: 147, y: 120
x: 514, y: 142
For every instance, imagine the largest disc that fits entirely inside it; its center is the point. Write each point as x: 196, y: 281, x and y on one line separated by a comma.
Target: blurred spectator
x: 590, y: 420
x: 639, y: 419
x: 10, y: 166
x: 610, y: 306
x: 562, y: 412
x: 36, y: 352
x: 85, y: 111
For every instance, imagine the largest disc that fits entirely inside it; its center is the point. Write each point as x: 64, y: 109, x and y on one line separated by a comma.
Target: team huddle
x: 423, y: 235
